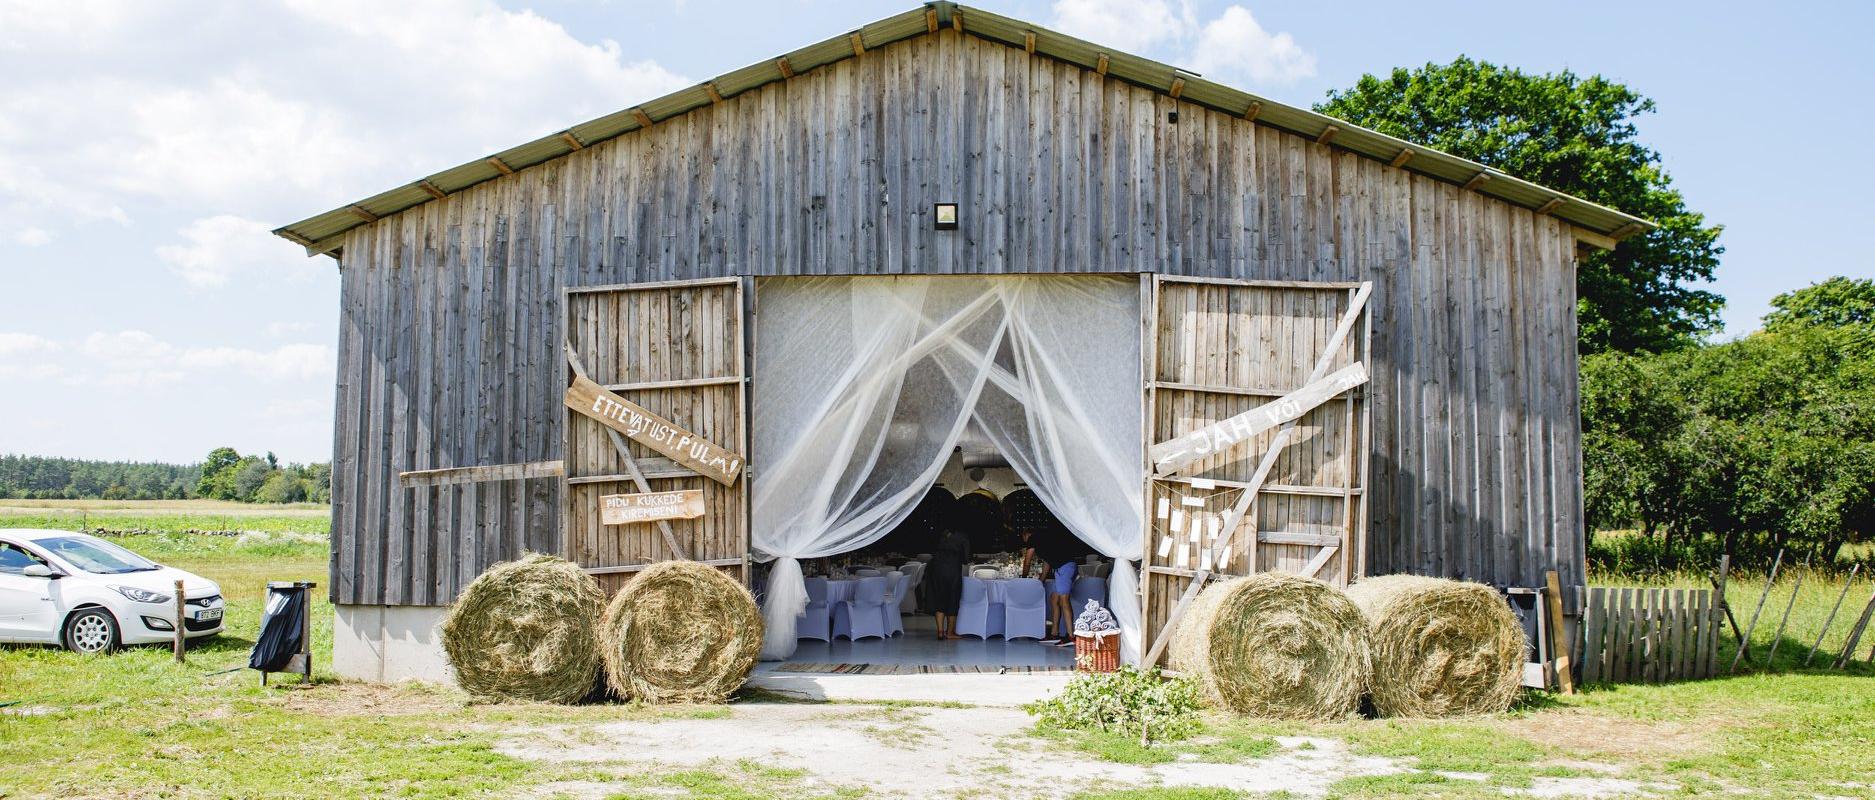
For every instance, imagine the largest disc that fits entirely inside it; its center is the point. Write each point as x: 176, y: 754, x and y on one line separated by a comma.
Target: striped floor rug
x: 915, y: 669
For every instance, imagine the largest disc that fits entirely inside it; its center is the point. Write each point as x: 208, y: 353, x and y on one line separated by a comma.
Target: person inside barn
x: 945, y: 573
x: 1055, y: 552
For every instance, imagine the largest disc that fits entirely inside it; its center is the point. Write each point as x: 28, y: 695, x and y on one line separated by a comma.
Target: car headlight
x: 141, y: 595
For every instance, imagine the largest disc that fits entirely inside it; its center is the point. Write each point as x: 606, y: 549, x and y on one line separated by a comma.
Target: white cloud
x: 126, y: 347
x: 1236, y: 46
x: 133, y: 357
x: 1231, y: 48
x: 303, y: 362
x: 31, y: 372
x: 14, y: 344
x: 274, y: 111
x: 32, y: 237
x: 1132, y: 25
x: 221, y: 246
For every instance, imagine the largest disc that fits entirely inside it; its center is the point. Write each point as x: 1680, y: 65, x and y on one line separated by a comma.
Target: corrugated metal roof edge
x: 323, y: 234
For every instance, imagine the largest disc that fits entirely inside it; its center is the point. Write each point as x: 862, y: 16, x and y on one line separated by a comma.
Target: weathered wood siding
x: 450, y: 351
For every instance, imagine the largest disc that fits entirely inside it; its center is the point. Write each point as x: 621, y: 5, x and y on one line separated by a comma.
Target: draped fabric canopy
x: 863, y: 386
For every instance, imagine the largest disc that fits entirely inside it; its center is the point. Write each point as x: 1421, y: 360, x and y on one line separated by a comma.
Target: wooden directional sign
x: 653, y: 431
x: 1170, y: 456
x: 624, y: 509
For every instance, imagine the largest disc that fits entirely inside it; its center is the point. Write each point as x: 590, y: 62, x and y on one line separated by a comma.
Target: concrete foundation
x: 387, y: 644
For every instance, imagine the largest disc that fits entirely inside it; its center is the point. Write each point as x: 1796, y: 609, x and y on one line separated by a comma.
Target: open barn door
x: 1257, y: 441
x: 656, y: 427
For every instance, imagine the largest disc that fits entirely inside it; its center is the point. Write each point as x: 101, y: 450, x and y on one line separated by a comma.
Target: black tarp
x: 282, y: 629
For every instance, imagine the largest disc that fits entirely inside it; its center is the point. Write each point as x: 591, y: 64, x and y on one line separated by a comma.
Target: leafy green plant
x: 1126, y: 702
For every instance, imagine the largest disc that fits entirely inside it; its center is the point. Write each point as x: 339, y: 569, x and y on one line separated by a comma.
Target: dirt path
x: 918, y: 752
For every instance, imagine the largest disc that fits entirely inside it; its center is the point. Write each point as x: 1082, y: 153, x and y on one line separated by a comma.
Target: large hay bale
x: 523, y: 631
x: 1275, y: 645
x: 1441, y: 647
x: 680, y: 632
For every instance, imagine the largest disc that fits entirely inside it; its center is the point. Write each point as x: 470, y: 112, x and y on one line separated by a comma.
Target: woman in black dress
x: 945, y: 577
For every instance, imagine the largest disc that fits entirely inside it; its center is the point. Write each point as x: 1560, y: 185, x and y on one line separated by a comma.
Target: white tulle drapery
x: 863, y: 386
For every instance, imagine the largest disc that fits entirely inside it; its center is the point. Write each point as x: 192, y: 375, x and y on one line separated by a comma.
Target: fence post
x: 1778, y: 638
x: 1744, y: 639
x: 181, y: 614
x: 1832, y: 614
x: 1559, y: 640
x: 1855, y: 635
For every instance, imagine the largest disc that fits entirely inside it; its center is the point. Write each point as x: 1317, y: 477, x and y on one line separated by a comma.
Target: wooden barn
x: 754, y: 321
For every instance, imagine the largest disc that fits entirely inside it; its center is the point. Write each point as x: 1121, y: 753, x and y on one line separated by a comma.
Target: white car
x: 60, y: 587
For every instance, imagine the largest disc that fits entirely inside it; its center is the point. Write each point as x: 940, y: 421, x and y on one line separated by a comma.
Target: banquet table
x: 840, y: 591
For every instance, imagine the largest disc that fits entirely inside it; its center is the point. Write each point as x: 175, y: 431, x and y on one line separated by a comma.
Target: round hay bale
x: 1442, y: 648
x: 680, y: 632
x: 523, y: 631
x: 1275, y: 645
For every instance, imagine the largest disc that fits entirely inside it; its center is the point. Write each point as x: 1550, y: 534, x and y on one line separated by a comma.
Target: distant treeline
x: 224, y: 475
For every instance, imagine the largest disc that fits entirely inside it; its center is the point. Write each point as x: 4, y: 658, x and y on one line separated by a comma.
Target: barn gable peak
x: 324, y: 233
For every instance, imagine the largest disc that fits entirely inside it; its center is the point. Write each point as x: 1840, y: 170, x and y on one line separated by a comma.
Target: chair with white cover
x: 976, y: 615
x: 923, y: 557
x: 894, y: 619
x: 863, y: 614
x: 986, y: 573
x: 1101, y: 570
x: 908, y: 599
x: 1025, y: 609
x: 1087, y: 588
x: 815, y: 620
x: 868, y: 572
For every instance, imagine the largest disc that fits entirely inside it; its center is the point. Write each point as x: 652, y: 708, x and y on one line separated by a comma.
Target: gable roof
x: 324, y: 233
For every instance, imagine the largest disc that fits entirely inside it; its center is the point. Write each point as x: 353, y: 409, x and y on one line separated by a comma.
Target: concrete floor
x: 919, y: 645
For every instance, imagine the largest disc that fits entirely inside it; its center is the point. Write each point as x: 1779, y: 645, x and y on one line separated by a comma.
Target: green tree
x: 280, y: 487
x: 248, y: 477
x: 1742, y: 447
x: 1837, y: 303
x: 1576, y: 135
x: 217, y: 479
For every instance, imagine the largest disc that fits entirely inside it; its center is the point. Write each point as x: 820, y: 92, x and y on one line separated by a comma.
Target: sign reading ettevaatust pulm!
x: 653, y: 431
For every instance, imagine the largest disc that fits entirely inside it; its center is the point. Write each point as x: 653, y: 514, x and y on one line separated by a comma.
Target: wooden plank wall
x: 451, y: 336
x: 1649, y: 635
x: 626, y: 339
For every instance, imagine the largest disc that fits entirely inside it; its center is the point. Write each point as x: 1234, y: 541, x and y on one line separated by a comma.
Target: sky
x: 148, y: 147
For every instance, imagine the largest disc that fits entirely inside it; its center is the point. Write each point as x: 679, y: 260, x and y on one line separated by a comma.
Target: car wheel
x: 91, y: 631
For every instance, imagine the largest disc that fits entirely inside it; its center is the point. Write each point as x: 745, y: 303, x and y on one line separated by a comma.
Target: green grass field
x: 136, y: 724
x: 164, y: 516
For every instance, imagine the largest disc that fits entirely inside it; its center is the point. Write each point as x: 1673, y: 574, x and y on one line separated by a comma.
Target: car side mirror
x: 37, y: 571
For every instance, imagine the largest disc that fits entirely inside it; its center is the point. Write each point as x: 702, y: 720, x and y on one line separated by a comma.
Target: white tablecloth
x: 840, y: 591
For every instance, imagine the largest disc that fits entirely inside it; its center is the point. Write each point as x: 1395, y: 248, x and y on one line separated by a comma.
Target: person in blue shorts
x: 1060, y: 607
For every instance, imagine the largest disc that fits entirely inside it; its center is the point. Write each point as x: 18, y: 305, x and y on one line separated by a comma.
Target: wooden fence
x: 1649, y: 635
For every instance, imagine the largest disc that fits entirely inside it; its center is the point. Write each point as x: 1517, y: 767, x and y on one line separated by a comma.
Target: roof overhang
x: 1596, y: 225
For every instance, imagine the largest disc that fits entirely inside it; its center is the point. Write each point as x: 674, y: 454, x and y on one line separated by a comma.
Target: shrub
x: 1127, y: 701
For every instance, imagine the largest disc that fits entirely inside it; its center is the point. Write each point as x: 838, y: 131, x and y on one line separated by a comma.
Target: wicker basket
x: 1096, y: 652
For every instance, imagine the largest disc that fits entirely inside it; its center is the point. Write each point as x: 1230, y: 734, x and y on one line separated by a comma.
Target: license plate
x: 208, y: 614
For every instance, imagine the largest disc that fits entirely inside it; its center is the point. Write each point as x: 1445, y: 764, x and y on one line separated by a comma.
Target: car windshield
x: 91, y: 555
